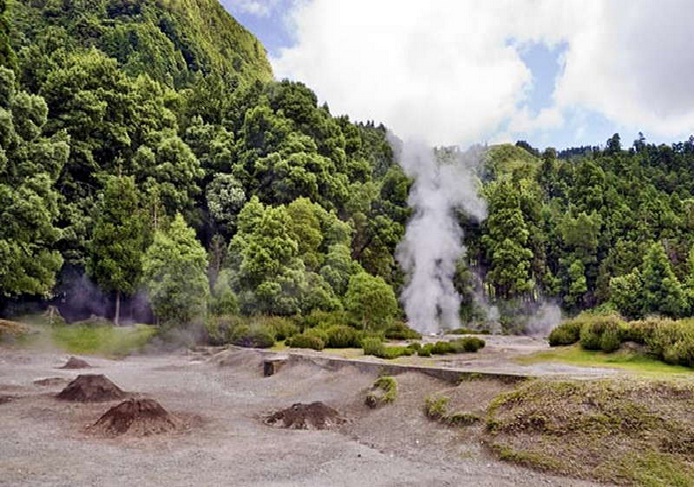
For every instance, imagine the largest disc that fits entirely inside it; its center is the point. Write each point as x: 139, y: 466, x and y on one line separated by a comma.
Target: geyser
x: 432, y: 243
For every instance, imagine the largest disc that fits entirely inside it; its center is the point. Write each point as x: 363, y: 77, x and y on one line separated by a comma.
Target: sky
x: 459, y: 72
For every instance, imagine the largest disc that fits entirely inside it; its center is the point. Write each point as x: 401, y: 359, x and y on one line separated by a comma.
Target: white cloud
x: 449, y: 70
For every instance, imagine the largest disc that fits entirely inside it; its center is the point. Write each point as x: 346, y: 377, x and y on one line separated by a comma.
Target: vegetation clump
x: 437, y: 408
x: 667, y: 340
x: 616, y: 431
x: 307, y: 339
x: 383, y: 391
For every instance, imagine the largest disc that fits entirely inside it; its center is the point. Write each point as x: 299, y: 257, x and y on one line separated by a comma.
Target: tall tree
x: 119, y: 240
x: 174, y: 271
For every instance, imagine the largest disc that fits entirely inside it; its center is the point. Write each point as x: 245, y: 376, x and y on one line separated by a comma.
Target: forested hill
x: 148, y: 157
x: 169, y: 40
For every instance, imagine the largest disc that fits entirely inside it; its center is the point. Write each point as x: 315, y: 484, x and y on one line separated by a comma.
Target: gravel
x: 44, y: 442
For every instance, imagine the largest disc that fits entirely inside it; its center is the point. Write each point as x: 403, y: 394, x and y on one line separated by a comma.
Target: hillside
x: 170, y: 40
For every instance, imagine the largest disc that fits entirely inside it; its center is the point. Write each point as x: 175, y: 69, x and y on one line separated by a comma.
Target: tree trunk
x: 118, y: 307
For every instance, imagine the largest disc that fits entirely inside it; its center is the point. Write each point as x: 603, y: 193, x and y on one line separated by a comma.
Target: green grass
x: 637, y: 363
x: 102, y: 340
x: 624, y: 431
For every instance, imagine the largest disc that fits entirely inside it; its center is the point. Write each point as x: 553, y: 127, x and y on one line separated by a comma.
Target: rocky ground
x: 47, y: 442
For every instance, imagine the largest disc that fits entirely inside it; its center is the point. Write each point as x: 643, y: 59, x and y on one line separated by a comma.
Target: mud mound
x: 136, y: 417
x: 51, y: 381
x: 76, y: 363
x: 316, y: 415
x: 5, y: 399
x: 91, y: 388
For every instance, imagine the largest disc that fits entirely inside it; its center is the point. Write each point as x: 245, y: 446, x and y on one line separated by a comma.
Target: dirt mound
x: 316, y: 415
x: 51, y: 381
x: 91, y: 388
x: 136, y: 417
x: 5, y: 399
x: 76, y: 363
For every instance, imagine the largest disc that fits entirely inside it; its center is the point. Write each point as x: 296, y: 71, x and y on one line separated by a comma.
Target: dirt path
x: 44, y: 443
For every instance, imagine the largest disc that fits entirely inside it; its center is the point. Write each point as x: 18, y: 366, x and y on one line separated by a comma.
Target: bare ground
x: 45, y: 441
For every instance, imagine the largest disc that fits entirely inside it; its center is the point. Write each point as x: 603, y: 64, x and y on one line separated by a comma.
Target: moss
x: 604, y: 426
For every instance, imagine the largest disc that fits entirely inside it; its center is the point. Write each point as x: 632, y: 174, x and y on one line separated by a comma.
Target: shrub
x: 244, y: 336
x: 673, y: 342
x: 436, y: 407
x: 322, y: 319
x: 384, y: 391
x: 610, y: 340
x: 372, y: 346
x: 390, y: 353
x: 415, y: 346
x: 305, y: 340
x: 400, y: 331
x: 281, y: 327
x: 426, y: 350
x: 565, y: 334
x: 468, y: 331
x: 471, y: 344
x: 341, y: 336
x: 591, y: 336
x: 442, y: 348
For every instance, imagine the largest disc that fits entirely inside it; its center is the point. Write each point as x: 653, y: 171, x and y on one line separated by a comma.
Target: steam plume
x: 432, y: 244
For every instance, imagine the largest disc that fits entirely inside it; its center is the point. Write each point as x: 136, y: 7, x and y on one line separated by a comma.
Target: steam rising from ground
x: 432, y: 244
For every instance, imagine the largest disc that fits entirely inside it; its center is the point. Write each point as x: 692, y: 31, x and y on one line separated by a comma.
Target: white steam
x: 432, y: 244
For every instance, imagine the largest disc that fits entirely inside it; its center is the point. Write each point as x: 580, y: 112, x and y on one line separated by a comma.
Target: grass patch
x: 623, y: 359
x: 102, y: 340
x: 384, y: 391
x: 627, y: 431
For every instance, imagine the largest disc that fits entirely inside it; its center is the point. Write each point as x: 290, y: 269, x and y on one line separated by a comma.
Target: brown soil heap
x: 91, y: 388
x: 136, y: 417
x: 75, y: 363
x: 316, y: 415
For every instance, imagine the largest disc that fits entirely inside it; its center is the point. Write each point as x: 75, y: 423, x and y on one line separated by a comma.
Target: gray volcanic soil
x: 45, y: 442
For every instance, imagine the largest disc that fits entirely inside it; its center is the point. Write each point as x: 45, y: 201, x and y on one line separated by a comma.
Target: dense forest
x: 149, y: 161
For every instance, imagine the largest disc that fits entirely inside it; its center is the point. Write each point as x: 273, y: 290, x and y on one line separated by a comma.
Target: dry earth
x: 45, y: 442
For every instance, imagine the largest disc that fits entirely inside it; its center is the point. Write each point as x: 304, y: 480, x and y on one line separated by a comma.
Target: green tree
x: 174, y: 271
x: 627, y: 294
x: 370, y: 301
x: 662, y: 293
x: 29, y: 208
x: 119, y: 240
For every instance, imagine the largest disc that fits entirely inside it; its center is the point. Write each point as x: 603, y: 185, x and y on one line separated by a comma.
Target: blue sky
x: 455, y: 72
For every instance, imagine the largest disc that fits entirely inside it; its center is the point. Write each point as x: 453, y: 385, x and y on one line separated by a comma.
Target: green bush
x: 594, y: 327
x: 391, y: 353
x: 673, y: 342
x: 341, y: 336
x: 471, y: 344
x: 468, y: 331
x: 281, y: 327
x: 305, y: 340
x: 384, y: 391
x: 436, y: 407
x: 426, y: 350
x: 399, y: 331
x: 442, y: 348
x: 372, y: 346
x: 414, y: 346
x: 322, y: 319
x: 244, y: 336
x: 565, y: 334
x: 610, y: 340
